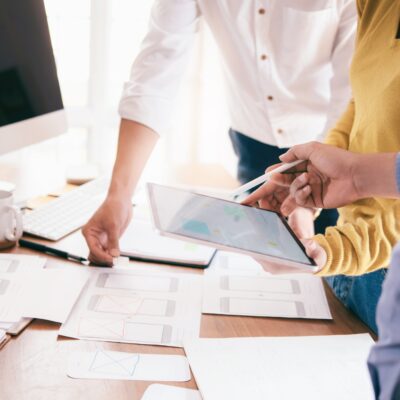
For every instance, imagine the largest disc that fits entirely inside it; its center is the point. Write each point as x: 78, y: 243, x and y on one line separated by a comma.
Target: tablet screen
x: 219, y: 221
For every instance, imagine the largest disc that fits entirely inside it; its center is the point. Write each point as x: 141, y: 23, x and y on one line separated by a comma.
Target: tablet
x: 262, y: 234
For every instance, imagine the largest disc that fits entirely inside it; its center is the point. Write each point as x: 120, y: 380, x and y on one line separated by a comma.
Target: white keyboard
x: 67, y: 213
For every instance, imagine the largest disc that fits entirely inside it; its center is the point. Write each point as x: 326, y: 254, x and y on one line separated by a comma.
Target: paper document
x: 4, y: 338
x: 141, y: 241
x: 166, y: 392
x: 50, y: 294
x: 12, y: 263
x: 137, y: 306
x: 284, y: 368
x: 14, y: 328
x: 12, y: 266
x: 103, y: 364
x: 227, y: 262
x: 46, y: 294
x: 264, y: 295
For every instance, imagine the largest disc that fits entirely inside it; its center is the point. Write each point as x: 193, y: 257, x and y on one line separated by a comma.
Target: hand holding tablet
x: 262, y: 234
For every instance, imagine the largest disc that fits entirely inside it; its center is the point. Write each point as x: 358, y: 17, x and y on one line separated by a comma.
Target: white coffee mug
x: 10, y: 221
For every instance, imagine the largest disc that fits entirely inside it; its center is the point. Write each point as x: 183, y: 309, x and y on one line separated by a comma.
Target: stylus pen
x: 54, y: 252
x: 263, y: 178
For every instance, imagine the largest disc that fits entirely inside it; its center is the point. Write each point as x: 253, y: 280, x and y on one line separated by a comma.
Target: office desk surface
x: 33, y: 364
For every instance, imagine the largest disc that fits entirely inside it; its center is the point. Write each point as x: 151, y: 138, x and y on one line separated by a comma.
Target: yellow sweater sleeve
x: 339, y: 135
x: 365, y: 243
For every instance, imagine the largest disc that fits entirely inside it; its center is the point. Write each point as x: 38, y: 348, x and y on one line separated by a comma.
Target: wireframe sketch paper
x: 264, y: 295
x: 46, y: 294
x: 141, y: 241
x: 12, y: 263
x: 103, y: 364
x: 12, y: 268
x: 50, y: 294
x: 283, y: 368
x: 137, y: 306
x: 167, y: 392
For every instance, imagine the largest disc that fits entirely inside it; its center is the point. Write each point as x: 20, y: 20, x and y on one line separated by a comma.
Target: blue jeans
x: 361, y: 293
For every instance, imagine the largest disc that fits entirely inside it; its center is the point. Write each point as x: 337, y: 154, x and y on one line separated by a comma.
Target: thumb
x: 113, y: 243
x: 300, y: 152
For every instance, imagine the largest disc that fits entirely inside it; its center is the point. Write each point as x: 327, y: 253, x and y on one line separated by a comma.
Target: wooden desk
x: 33, y: 365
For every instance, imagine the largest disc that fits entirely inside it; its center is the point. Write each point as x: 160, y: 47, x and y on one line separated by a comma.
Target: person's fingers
x: 272, y: 167
x: 113, y: 242
x: 315, y: 251
x: 298, y: 183
x: 302, y: 222
x: 97, y: 253
x: 303, y: 197
x: 288, y: 206
x: 278, y: 183
x: 269, y: 203
x: 279, y: 269
x: 263, y: 191
x: 300, y: 152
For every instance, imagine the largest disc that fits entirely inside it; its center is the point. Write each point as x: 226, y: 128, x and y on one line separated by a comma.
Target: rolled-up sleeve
x: 149, y: 95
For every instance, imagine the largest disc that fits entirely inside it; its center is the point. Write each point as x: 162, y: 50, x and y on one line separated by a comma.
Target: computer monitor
x: 31, y: 108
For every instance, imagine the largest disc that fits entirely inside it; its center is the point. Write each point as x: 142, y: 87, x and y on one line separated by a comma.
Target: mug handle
x: 14, y: 234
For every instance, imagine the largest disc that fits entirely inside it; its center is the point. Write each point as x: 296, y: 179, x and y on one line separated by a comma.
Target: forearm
x: 375, y: 175
x: 135, y: 145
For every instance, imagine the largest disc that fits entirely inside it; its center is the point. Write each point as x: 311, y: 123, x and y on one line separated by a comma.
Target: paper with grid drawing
x: 246, y: 291
x: 137, y: 306
x: 13, y: 268
x: 103, y: 364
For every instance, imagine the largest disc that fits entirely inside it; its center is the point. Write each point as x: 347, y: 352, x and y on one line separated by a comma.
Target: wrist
x: 119, y: 191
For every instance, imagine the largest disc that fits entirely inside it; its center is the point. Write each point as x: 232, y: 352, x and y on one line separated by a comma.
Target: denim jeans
x: 361, y: 293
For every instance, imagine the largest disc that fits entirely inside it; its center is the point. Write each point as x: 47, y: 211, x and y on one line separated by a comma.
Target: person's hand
x: 103, y: 230
x: 327, y: 180
x: 273, y: 193
x: 313, y: 250
x: 301, y: 220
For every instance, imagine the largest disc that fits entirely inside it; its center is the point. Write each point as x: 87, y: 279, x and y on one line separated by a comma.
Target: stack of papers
x: 137, y: 306
x: 284, y: 368
x: 4, y: 338
x: 28, y: 291
x: 11, y: 265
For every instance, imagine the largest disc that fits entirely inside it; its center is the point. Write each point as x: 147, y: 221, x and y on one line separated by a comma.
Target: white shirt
x: 286, y: 64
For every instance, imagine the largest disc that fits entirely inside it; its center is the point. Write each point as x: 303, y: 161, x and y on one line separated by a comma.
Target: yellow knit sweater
x: 366, y: 231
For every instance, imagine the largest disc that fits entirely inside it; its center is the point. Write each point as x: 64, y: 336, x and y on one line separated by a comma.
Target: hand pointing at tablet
x: 329, y: 178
